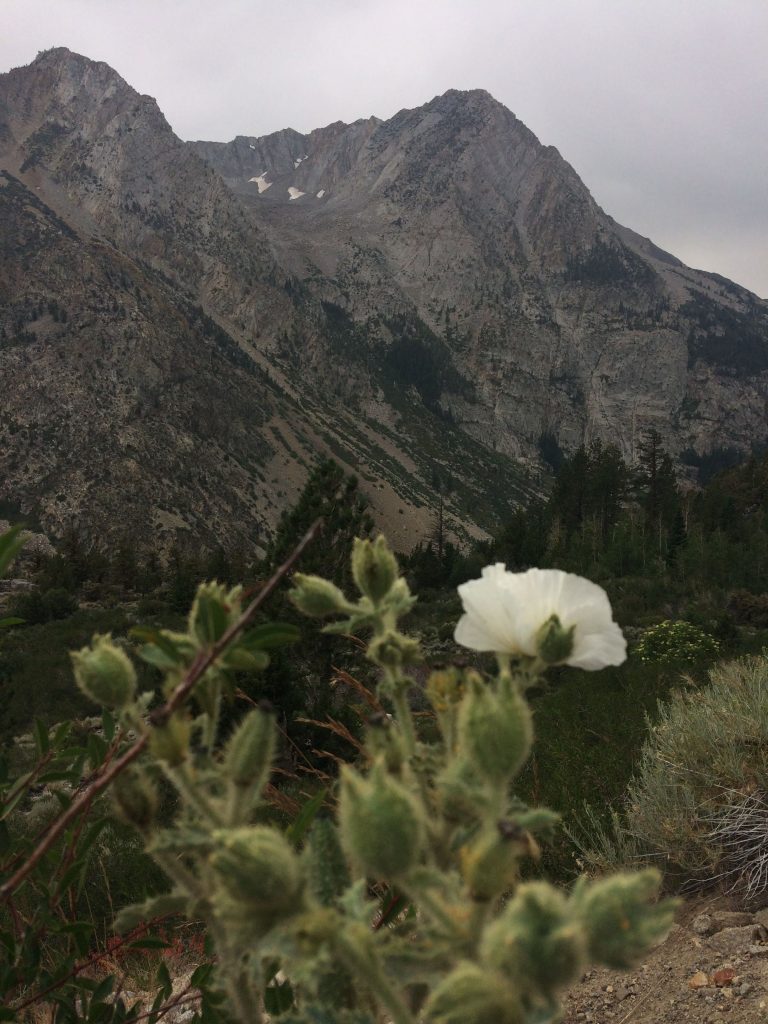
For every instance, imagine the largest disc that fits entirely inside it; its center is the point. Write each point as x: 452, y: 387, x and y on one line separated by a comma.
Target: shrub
x: 423, y: 835
x: 676, y: 643
x: 48, y: 606
x: 698, y: 799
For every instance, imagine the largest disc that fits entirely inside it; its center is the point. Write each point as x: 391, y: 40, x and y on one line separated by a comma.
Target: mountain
x: 436, y: 300
x: 560, y: 321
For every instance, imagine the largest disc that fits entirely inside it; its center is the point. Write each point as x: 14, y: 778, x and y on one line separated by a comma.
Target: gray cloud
x: 660, y: 107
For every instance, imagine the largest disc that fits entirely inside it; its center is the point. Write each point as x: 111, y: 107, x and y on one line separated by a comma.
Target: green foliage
x: 698, y: 792
x: 36, y: 669
x: 435, y: 818
x: 36, y: 607
x: 676, y: 643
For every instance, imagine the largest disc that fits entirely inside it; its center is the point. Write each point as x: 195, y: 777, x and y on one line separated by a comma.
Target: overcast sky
x: 660, y: 105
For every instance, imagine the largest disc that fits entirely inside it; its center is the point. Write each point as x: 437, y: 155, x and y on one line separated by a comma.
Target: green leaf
x: 10, y: 545
x: 153, y: 654
x: 212, y: 619
x: 270, y: 635
x: 96, y: 748
x: 306, y: 816
x: 41, y: 737
x: 108, y: 725
x: 278, y: 997
x: 19, y: 793
x: 104, y: 989
x: 175, y: 651
x: 201, y: 975
x: 246, y: 661
x: 164, y: 983
x: 11, y: 620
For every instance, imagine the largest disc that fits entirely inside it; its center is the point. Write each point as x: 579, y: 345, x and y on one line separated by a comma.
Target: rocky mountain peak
x: 436, y: 289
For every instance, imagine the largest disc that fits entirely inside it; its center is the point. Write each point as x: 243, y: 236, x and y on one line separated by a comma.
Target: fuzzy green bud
x: 250, y: 749
x: 538, y: 941
x: 554, y: 643
x: 384, y: 742
x: 620, y: 922
x: 489, y: 863
x: 374, y: 568
x: 214, y: 609
x: 461, y: 790
x: 170, y: 742
x: 393, y: 649
x: 495, y: 731
x: 258, y: 870
x: 136, y: 799
x: 474, y: 995
x: 317, y: 597
x: 104, y: 673
x: 382, y: 827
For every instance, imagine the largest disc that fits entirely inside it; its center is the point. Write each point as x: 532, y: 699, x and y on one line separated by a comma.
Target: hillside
x: 435, y: 300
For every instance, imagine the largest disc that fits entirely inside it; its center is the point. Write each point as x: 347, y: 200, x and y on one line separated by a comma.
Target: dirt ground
x: 713, y: 967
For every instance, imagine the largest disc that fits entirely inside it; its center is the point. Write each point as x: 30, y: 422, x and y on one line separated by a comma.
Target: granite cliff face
x: 558, y: 320
x: 183, y: 327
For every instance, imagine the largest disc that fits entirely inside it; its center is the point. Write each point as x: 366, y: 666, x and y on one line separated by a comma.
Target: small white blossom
x: 504, y: 611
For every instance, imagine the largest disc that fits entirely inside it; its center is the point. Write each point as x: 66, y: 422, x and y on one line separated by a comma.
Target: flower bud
x: 620, y: 923
x: 257, y: 869
x: 170, y: 742
x: 461, y: 791
x: 554, y: 643
x: 315, y: 596
x: 495, y: 731
x: 250, y: 750
x: 104, y: 673
x: 215, y: 607
x: 537, y: 941
x: 381, y: 824
x: 489, y: 863
x: 444, y: 688
x: 392, y: 649
x: 473, y: 995
x: 385, y: 742
x: 374, y: 568
x: 136, y: 799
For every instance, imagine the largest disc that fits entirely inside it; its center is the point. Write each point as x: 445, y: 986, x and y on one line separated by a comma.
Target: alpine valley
x: 434, y: 300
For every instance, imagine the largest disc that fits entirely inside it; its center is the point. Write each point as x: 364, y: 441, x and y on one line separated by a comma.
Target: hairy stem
x: 361, y: 963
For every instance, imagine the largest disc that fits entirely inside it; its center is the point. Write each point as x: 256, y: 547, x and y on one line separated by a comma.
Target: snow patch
x: 300, y: 159
x: 321, y: 193
x: 261, y: 182
x: 251, y: 145
x: 294, y: 193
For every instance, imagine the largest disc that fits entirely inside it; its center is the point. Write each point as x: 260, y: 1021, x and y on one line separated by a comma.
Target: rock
x: 723, y: 977
x: 757, y: 950
x: 744, y: 989
x: 730, y: 919
x: 733, y: 940
x: 703, y: 924
x: 699, y: 980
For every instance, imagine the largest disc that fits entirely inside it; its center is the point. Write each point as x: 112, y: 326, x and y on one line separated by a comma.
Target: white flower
x: 504, y: 611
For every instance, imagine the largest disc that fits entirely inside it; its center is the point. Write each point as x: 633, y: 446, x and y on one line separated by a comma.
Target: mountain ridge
x: 426, y: 297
